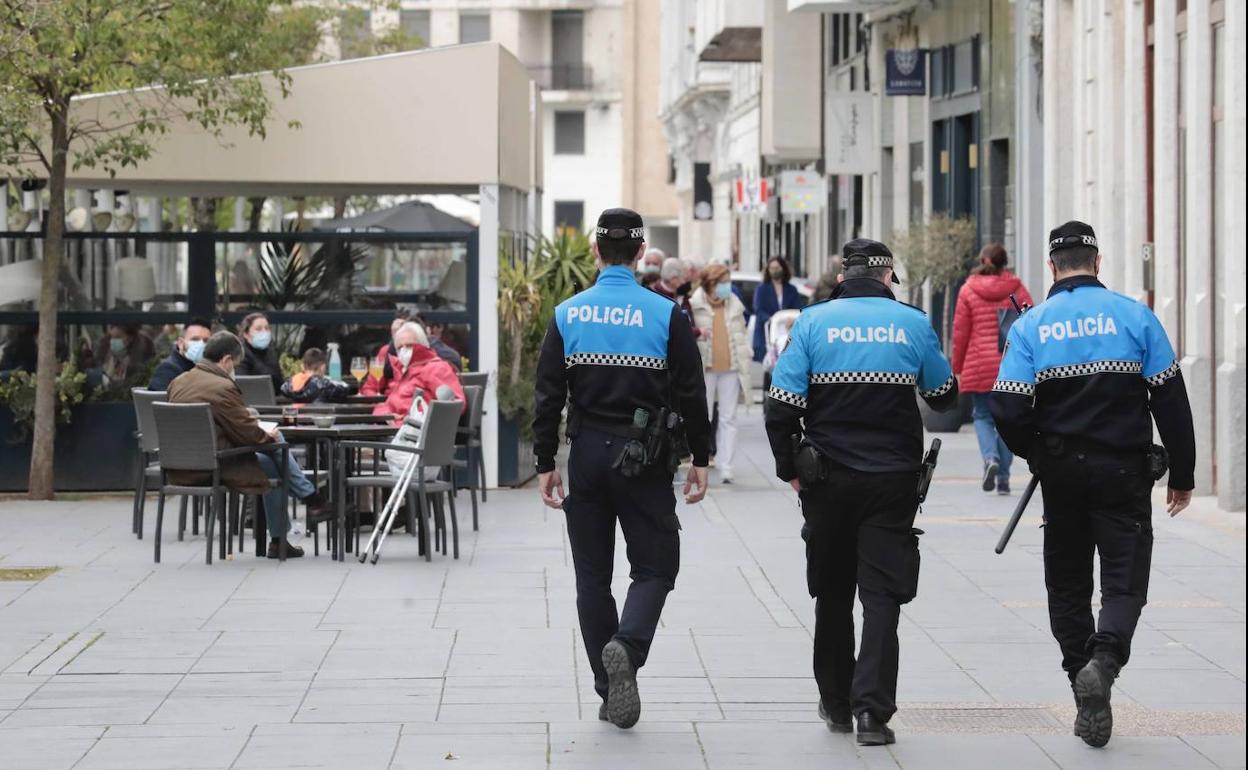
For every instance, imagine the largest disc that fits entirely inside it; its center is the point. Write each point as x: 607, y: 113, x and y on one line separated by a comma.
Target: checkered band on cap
x: 614, y: 359
x: 869, y: 260
x: 1072, y: 240
x: 1092, y: 367
x: 941, y: 389
x: 862, y: 378
x: 785, y: 396
x: 634, y: 233
x: 1013, y: 386
x: 1161, y: 377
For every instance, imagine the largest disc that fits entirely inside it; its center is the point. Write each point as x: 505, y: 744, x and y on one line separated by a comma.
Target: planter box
x: 515, y: 455
x: 95, y: 452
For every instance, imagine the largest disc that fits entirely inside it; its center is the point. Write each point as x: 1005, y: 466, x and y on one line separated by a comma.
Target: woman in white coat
x: 726, y: 354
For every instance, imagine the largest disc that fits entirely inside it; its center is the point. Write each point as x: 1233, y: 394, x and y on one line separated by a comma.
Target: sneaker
x: 839, y: 720
x: 1003, y: 487
x: 873, y: 732
x: 623, y: 701
x: 1095, y: 720
x: 725, y: 479
x: 292, y: 551
x: 990, y: 475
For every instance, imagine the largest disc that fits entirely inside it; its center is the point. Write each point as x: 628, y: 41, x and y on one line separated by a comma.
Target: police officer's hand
x: 695, y: 485
x: 1177, y: 500
x: 548, y: 484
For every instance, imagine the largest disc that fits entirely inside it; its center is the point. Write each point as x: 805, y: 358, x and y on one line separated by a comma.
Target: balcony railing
x: 563, y: 77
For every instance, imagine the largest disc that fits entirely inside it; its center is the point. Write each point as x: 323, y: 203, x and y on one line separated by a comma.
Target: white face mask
x: 405, y: 356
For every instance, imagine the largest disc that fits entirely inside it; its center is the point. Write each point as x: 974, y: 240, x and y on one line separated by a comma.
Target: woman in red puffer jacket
x: 976, y: 356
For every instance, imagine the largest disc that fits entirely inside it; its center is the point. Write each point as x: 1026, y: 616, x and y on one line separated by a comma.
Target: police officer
x: 848, y: 375
x: 1080, y: 376
x: 623, y: 354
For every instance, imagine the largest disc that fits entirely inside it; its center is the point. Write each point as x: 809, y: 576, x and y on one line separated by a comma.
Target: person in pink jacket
x: 977, y: 353
x: 416, y: 368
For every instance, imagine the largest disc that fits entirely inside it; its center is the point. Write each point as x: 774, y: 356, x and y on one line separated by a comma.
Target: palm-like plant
x: 520, y: 301
x: 564, y: 264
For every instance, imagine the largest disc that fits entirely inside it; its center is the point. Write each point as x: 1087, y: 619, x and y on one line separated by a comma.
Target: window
x: 569, y: 133
x: 474, y: 27
x: 569, y: 216
x: 415, y: 25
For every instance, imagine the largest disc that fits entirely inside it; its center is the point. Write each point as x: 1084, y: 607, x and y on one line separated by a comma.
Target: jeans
x: 991, y: 445
x: 297, y: 485
x: 724, y: 388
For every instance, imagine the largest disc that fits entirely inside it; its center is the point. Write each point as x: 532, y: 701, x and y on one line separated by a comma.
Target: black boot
x: 623, y: 701
x: 873, y: 732
x: 1095, y: 720
x: 838, y: 720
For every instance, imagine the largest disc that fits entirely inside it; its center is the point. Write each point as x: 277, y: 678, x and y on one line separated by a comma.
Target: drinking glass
x: 377, y: 368
x: 359, y: 368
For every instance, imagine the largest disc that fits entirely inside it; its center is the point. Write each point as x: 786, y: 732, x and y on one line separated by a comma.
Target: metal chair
x: 148, y: 447
x: 468, y: 439
x: 190, y: 444
x: 257, y: 389
x: 468, y: 379
x: 435, y: 450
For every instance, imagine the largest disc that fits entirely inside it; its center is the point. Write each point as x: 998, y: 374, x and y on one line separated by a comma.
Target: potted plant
x: 936, y: 254
x: 528, y: 291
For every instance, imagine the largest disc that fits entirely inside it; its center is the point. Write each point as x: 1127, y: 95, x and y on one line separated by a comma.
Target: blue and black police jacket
x: 614, y: 348
x: 1092, y: 364
x: 849, y: 372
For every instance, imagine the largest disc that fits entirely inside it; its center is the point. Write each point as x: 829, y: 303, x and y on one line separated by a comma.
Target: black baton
x: 1018, y: 514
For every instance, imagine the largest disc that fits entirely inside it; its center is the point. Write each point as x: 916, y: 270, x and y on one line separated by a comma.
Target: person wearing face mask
x: 725, y: 349
x: 674, y: 285
x: 773, y: 294
x: 188, y: 349
x: 651, y: 263
x: 211, y: 381
x: 260, y: 356
x: 414, y: 368
x: 122, y: 356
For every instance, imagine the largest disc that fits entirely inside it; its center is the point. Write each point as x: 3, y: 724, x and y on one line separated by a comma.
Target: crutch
x: 386, y: 518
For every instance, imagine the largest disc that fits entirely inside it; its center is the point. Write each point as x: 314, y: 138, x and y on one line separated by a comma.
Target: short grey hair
x: 653, y: 252
x: 672, y: 269
x: 411, y: 327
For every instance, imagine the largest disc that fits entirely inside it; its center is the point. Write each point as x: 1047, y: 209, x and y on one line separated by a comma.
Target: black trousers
x: 1095, y: 503
x: 859, y: 533
x: 598, y: 496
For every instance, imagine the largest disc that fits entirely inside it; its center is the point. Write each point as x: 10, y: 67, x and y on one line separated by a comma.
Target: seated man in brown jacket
x: 212, y: 382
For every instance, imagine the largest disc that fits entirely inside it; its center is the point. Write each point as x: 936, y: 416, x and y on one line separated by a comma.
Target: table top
x: 344, y: 419
x: 321, y: 408
x: 355, y: 399
x: 338, y: 431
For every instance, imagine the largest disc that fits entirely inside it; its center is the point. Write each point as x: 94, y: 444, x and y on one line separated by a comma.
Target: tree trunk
x: 340, y: 206
x: 41, y: 477
x: 257, y: 208
x: 204, y: 211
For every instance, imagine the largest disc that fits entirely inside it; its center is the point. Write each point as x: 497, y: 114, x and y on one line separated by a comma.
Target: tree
x: 201, y: 56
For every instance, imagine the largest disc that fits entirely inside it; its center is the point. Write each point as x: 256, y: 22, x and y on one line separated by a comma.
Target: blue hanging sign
x: 905, y: 72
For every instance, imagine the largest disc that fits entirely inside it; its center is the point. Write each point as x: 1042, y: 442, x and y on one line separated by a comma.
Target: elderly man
x: 211, y: 382
x: 187, y: 352
x: 651, y: 263
x: 414, y: 368
x: 675, y: 285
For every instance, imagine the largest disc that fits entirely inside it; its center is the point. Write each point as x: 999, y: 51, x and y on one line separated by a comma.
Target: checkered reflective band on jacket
x: 612, y: 349
x: 848, y: 376
x: 1095, y: 365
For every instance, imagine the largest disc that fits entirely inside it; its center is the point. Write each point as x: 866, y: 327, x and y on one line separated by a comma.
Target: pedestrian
x: 726, y: 355
x: 846, y: 433
x: 775, y: 292
x: 673, y: 285
x: 1082, y: 372
x: 260, y: 357
x: 983, y: 301
x: 651, y: 263
x: 624, y: 356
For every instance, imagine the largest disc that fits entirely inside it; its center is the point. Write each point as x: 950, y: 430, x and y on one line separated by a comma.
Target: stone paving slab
x: 115, y: 662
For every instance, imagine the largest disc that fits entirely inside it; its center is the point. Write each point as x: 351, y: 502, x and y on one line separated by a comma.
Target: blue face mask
x: 117, y: 345
x: 261, y: 340
x: 723, y: 290
x: 650, y: 268
x: 195, y: 350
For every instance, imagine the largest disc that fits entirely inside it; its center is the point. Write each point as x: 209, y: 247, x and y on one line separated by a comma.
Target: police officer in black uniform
x: 845, y: 430
x: 627, y: 358
x: 1084, y: 376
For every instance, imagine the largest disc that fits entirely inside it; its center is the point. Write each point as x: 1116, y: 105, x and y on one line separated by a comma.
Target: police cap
x: 1070, y: 235
x: 864, y: 252
x: 619, y: 225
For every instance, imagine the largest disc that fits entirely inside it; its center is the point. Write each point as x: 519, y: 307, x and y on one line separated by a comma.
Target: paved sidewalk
x: 114, y: 662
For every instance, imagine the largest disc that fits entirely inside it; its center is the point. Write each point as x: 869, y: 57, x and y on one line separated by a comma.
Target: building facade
x: 601, y: 140
x: 1144, y: 139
